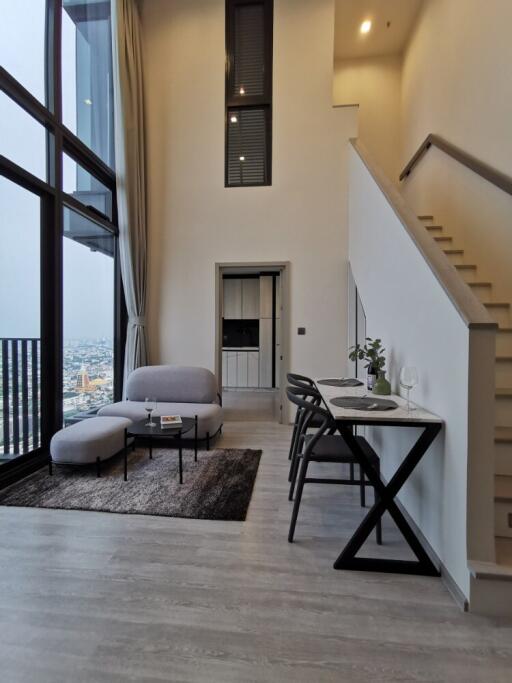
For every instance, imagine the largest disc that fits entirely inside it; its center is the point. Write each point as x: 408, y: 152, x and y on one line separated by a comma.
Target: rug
x: 218, y: 486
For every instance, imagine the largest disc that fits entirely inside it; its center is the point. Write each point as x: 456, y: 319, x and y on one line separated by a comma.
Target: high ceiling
x: 382, y: 39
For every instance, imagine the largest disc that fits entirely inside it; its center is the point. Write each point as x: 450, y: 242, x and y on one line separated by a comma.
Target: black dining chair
x: 323, y: 447
x: 300, y: 381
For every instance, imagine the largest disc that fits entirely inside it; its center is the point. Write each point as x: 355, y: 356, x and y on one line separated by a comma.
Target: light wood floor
x: 93, y: 597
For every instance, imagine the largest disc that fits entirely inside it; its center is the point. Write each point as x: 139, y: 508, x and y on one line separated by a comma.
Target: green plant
x: 372, y: 352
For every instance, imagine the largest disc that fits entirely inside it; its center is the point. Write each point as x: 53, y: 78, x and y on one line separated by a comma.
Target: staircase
x: 501, y: 312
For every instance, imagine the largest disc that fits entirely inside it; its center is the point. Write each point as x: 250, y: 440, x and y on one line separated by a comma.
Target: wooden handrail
x: 497, y: 178
x: 470, y: 308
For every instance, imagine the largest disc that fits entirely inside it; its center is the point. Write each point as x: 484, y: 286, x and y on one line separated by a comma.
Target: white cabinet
x: 232, y: 367
x: 266, y: 353
x: 224, y: 368
x: 250, y: 298
x: 266, y: 296
x: 232, y: 309
x: 253, y: 369
x: 241, y: 369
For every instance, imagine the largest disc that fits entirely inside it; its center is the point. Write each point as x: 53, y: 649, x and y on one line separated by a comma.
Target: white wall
x: 374, y: 84
x: 194, y: 221
x: 406, y: 306
x: 456, y: 83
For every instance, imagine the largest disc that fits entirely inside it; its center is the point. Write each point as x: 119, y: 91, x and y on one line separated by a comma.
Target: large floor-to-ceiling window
x: 60, y: 292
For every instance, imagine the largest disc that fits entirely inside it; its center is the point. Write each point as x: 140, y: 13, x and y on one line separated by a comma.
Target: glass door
x: 20, y: 321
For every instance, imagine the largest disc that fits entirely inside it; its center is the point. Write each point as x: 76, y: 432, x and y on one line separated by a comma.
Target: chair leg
x: 362, y: 487
x: 293, y: 473
x: 298, y: 496
x: 98, y: 467
x: 294, y: 436
x: 207, y: 441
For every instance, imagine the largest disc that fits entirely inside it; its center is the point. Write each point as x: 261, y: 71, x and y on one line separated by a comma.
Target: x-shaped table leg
x: 385, y: 495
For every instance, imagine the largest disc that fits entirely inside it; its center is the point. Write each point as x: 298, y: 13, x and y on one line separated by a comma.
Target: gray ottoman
x: 88, y: 442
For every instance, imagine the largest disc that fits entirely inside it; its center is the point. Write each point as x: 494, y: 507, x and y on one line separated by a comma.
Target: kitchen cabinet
x: 266, y: 296
x: 240, y: 369
x: 250, y: 298
x: 253, y: 369
x: 232, y: 308
x: 266, y: 353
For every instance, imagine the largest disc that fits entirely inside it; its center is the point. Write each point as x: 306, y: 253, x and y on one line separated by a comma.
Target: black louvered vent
x: 249, y: 50
x: 247, y: 144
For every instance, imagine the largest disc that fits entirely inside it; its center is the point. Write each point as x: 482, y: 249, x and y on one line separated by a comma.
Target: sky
x: 88, y: 276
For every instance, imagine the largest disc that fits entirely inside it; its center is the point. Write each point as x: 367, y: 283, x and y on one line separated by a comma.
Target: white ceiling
x: 381, y: 40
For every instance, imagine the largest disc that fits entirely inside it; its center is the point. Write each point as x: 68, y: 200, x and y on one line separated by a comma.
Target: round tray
x: 368, y: 403
x: 340, y: 383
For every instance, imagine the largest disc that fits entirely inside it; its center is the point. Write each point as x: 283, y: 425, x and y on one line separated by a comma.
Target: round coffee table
x: 140, y: 430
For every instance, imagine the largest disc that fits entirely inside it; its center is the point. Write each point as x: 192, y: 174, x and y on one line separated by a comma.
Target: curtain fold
x: 130, y: 174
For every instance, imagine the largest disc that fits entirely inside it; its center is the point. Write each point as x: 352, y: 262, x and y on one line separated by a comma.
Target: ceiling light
x: 242, y: 158
x: 234, y: 119
x: 88, y: 101
x: 366, y: 26
x: 242, y: 91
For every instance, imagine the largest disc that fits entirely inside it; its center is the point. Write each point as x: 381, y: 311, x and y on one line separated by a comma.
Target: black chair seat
x: 334, y: 449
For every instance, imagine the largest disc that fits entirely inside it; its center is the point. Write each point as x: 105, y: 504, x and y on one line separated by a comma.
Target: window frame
x: 53, y: 200
x: 242, y: 102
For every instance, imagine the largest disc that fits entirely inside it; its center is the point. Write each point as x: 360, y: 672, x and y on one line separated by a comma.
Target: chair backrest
x: 299, y: 380
x: 308, y: 402
x: 172, y: 384
x: 300, y: 395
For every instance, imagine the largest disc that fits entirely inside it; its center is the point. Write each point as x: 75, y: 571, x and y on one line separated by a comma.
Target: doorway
x: 252, y: 339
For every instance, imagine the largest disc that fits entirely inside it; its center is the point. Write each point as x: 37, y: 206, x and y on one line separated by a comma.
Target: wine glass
x: 149, y: 407
x: 408, y: 380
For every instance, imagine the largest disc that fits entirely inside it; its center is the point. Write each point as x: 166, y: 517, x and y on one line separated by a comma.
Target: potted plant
x: 373, y: 353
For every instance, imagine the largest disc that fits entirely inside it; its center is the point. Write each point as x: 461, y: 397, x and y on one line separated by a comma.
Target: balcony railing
x: 20, y: 382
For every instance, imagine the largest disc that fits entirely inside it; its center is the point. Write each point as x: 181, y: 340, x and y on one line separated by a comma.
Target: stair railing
x: 492, y: 175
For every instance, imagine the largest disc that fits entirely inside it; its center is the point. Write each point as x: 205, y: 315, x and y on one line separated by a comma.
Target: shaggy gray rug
x: 218, y: 486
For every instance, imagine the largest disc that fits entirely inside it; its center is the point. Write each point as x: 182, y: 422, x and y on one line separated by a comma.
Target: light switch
x: 301, y: 330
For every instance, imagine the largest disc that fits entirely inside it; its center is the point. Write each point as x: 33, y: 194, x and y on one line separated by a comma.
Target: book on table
x: 167, y: 421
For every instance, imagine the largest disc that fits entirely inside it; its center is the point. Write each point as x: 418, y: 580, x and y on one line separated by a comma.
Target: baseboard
x: 448, y: 580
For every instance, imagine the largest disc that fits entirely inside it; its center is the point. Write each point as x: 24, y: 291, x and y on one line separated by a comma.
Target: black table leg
x: 195, y: 439
x: 150, y: 448
x: 180, y: 454
x: 126, y: 455
x: 50, y: 463
x: 384, y: 500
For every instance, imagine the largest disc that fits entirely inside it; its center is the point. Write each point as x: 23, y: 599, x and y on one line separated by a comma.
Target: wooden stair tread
x: 434, y: 227
x: 506, y: 330
x: 503, y: 359
x: 443, y: 238
x: 465, y: 266
x: 502, y: 488
x: 454, y: 252
x: 503, y: 434
x: 503, y: 392
x: 497, y: 304
x: 490, y: 571
x: 426, y: 218
x: 479, y: 284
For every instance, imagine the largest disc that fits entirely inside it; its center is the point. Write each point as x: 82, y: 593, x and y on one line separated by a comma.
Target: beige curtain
x: 130, y: 172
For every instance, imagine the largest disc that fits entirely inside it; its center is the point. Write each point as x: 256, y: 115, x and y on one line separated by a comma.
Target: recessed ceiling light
x: 242, y: 91
x: 242, y: 158
x: 366, y: 26
x: 234, y: 119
